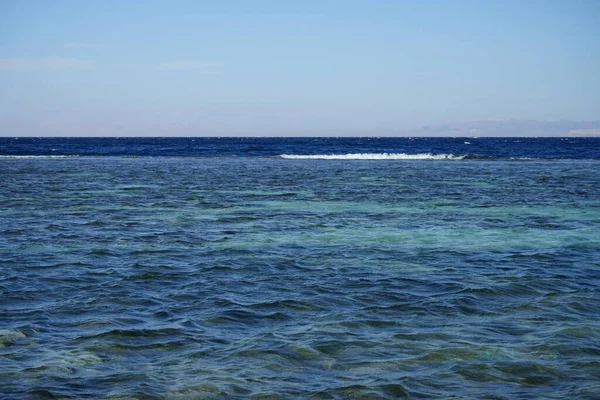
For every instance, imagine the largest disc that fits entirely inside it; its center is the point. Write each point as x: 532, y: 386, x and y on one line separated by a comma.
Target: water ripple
x: 268, y: 278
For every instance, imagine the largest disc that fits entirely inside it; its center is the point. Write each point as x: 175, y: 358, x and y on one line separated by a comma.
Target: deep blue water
x: 217, y: 268
x: 470, y: 148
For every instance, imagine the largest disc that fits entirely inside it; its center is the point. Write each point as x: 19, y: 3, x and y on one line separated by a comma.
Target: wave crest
x: 374, y: 156
x: 40, y: 156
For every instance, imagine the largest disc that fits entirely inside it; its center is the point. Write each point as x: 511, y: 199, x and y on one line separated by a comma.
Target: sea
x: 300, y: 268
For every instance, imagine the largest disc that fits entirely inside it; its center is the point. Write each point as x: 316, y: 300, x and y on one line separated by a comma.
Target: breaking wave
x: 32, y: 156
x: 375, y: 156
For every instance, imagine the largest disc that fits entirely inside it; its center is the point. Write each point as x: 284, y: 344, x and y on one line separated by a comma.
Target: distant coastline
x: 512, y: 128
x: 479, y: 128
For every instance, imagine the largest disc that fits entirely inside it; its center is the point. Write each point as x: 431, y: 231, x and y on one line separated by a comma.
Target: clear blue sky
x: 292, y: 67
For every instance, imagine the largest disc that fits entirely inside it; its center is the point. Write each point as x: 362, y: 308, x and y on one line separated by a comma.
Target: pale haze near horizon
x: 259, y: 68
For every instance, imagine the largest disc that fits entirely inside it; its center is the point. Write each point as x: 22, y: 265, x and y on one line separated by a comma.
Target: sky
x: 312, y: 67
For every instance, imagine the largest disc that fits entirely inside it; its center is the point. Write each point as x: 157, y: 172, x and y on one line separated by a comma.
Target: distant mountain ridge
x: 478, y: 128
x: 515, y: 128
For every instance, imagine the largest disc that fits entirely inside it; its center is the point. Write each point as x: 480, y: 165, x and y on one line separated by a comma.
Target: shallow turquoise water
x: 276, y: 278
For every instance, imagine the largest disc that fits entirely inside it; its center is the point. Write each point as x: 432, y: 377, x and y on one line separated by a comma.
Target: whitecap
x: 31, y: 156
x: 374, y: 156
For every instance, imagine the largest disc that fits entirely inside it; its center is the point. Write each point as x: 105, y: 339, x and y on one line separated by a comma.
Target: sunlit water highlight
x: 235, y: 278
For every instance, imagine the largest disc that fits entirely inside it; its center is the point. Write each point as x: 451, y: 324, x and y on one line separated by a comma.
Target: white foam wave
x: 1, y: 156
x: 375, y: 156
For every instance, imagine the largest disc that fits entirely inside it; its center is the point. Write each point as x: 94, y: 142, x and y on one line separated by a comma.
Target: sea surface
x: 299, y: 268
